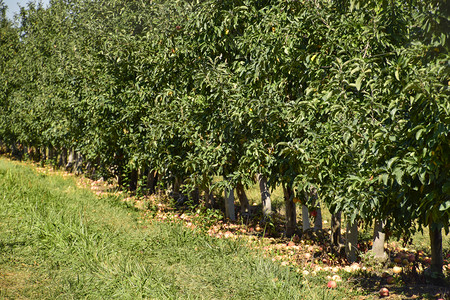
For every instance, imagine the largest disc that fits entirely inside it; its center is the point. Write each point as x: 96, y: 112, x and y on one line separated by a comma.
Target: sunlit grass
x: 59, y: 241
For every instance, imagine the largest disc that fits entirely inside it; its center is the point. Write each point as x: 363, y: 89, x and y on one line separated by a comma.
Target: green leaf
x: 391, y: 161
x: 393, y: 111
x: 444, y: 206
x: 358, y: 83
x: 346, y: 136
x: 384, y: 177
x: 398, y: 175
x: 419, y: 133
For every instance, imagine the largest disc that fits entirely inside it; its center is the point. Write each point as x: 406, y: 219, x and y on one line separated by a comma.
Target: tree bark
x: 229, y: 204
x: 291, y: 216
x: 208, y: 197
x: 195, y: 195
x: 51, y: 153
x: 378, y: 241
x: 437, y: 260
x: 71, y: 160
x: 314, y: 198
x: 318, y: 219
x: 42, y: 153
x: 305, y: 218
x: 14, y: 151
x: 351, y: 241
x: 177, y: 181
x: 265, y: 196
x: 78, y: 163
x: 159, y: 189
x: 132, y: 181
x: 34, y: 153
x: 25, y: 151
x: 336, y: 237
x: 245, y: 206
x: 152, y: 180
x: 63, y: 158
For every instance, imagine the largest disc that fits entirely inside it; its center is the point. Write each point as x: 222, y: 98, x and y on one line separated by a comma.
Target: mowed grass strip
x: 59, y: 241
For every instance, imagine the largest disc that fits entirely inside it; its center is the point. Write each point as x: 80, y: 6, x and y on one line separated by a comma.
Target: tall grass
x: 58, y: 241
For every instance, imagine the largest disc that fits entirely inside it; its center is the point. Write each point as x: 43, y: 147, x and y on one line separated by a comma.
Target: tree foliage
x: 350, y: 98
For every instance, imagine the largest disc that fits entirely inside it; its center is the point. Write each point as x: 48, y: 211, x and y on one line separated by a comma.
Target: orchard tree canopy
x: 350, y: 98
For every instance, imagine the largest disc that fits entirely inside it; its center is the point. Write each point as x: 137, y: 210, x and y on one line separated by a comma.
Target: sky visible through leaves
x: 14, y: 6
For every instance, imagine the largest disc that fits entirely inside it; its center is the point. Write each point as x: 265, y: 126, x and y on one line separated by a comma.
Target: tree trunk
x: 121, y: 181
x: 14, y: 151
x: 318, y: 219
x: 42, y: 154
x: 265, y: 196
x: 78, y: 163
x: 245, y: 206
x: 208, y: 197
x: 35, y: 154
x: 71, y: 160
x: 51, y: 154
x: 305, y: 218
x: 63, y: 158
x: 229, y: 204
x: 351, y: 241
x: 291, y: 216
x: 177, y: 181
x: 140, y: 181
x: 132, y: 181
x: 336, y: 238
x: 195, y: 195
x: 437, y: 260
x: 152, y: 180
x: 314, y: 199
x: 378, y: 241
x: 25, y: 151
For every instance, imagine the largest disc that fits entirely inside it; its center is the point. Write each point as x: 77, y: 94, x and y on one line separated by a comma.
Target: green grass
x: 61, y: 242
x: 58, y: 241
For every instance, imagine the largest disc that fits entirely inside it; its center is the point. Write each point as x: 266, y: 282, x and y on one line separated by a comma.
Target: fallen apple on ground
x: 384, y: 292
x: 332, y: 284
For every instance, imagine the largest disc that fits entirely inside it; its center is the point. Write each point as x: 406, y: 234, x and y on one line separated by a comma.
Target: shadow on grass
x: 419, y: 287
x: 4, y: 245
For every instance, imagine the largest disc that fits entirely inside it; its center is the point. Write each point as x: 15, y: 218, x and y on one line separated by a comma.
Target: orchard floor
x: 64, y: 237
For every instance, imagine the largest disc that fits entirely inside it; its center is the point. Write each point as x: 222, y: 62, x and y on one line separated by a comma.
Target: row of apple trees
x: 340, y: 102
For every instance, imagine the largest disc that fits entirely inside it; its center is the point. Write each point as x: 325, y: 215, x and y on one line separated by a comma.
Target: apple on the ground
x: 384, y: 292
x: 332, y: 284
